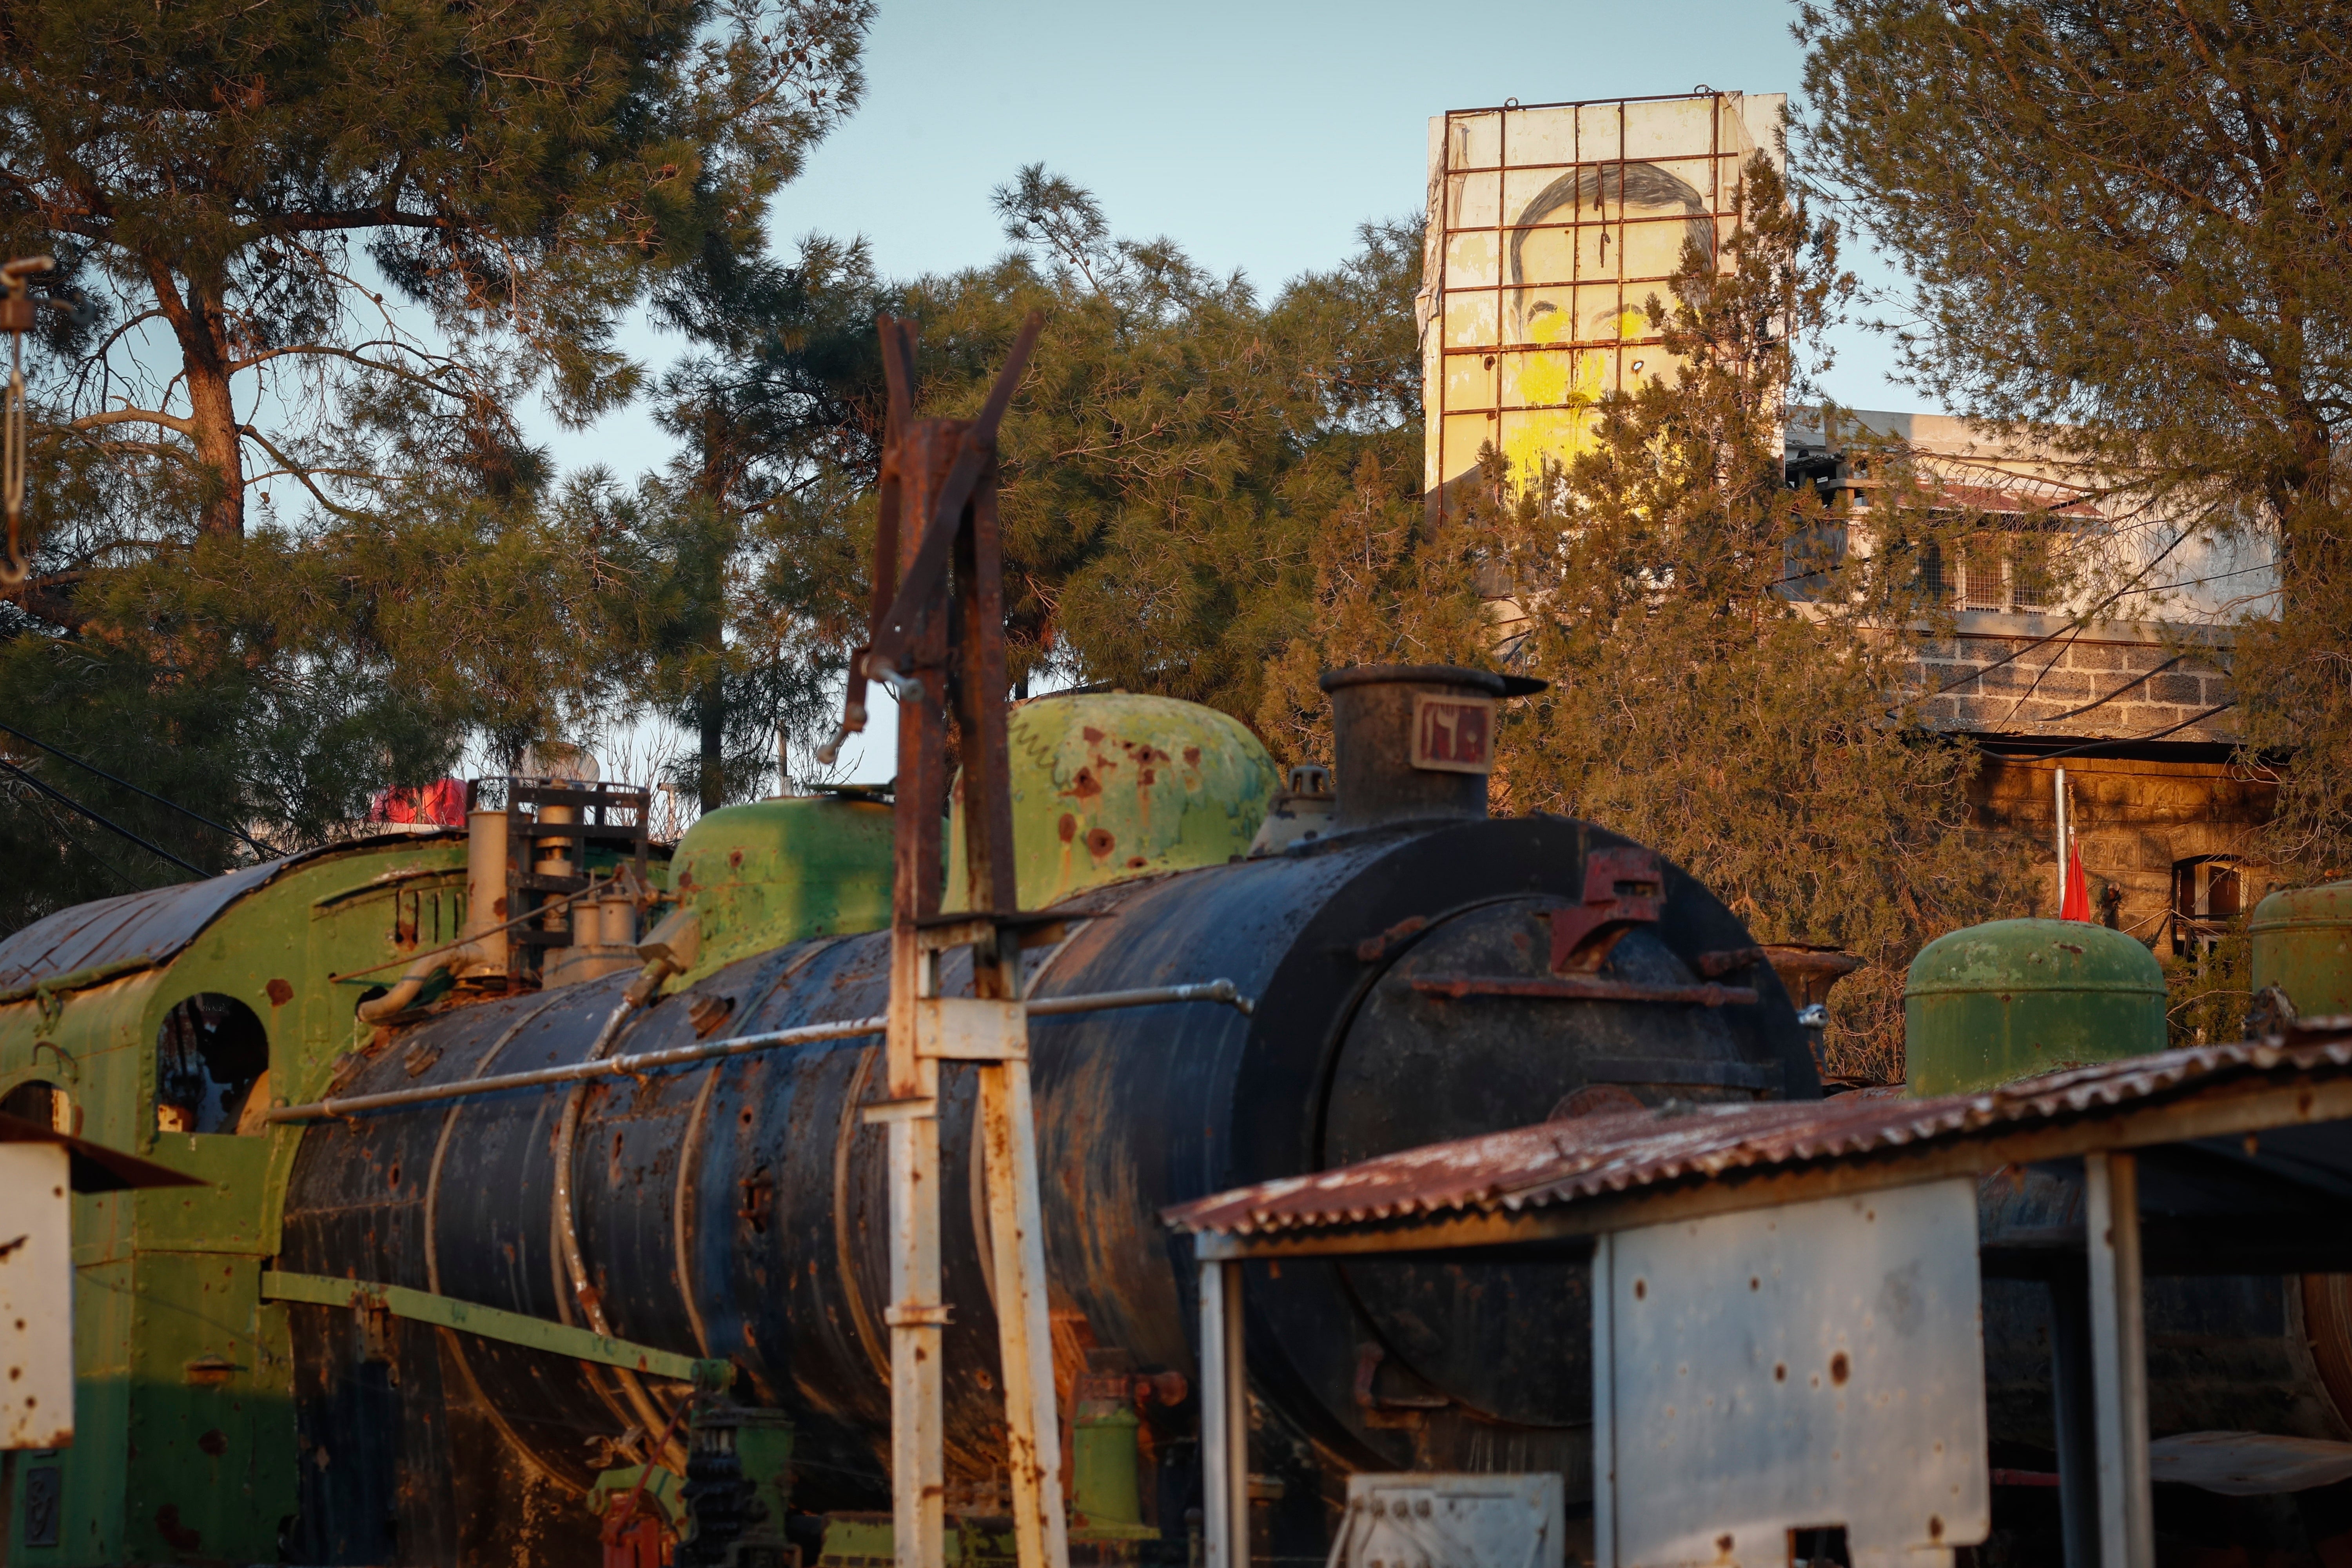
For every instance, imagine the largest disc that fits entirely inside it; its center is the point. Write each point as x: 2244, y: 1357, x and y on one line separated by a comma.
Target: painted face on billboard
x: 1630, y: 220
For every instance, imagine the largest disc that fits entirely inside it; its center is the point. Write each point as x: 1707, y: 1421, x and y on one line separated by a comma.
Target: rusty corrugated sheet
x: 150, y: 925
x: 1583, y: 1157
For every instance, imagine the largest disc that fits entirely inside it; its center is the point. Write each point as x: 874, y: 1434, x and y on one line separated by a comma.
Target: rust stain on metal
x: 1563, y: 1160
x: 1372, y: 949
x: 178, y: 1536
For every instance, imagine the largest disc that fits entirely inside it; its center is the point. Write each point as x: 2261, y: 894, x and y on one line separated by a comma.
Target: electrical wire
x: 259, y: 846
x: 70, y: 802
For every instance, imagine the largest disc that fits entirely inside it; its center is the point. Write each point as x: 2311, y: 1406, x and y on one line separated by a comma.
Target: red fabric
x: 441, y: 803
x: 2076, y: 905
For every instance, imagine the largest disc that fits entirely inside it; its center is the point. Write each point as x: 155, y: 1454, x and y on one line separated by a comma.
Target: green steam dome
x: 2010, y: 999
x: 776, y: 871
x: 2303, y: 945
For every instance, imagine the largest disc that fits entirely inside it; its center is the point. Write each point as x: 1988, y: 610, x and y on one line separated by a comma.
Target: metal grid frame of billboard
x: 1550, y: 227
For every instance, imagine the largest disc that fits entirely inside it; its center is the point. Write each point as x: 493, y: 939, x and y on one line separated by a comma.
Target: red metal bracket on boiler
x: 1623, y: 887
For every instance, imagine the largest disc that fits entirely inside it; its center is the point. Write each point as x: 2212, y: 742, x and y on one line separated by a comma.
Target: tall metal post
x: 938, y: 643
x: 2073, y: 1414
x: 2058, y: 817
x: 916, y: 1315
x: 2118, y: 1362
x: 1225, y: 1418
x: 1604, y: 1402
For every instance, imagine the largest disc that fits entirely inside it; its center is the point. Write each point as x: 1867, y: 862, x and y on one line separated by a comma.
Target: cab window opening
x: 211, y: 1053
x: 43, y: 1104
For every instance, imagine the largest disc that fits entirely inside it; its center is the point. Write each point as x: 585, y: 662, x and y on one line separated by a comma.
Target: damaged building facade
x: 2079, y: 627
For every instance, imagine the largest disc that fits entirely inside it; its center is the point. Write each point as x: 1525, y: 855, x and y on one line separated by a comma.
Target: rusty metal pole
x: 2118, y: 1360
x: 1008, y: 1125
x: 938, y: 490
x: 917, y: 1316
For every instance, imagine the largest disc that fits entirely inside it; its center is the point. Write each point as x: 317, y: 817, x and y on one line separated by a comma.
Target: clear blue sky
x: 1256, y: 135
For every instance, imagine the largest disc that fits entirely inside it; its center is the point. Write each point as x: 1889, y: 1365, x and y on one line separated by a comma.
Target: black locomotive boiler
x: 1420, y: 971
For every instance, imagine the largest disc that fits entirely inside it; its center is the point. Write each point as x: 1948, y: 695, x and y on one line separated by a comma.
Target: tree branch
x: 132, y: 417
x: 301, y: 474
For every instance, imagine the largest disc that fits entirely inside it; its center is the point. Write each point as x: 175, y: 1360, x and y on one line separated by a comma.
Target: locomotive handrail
x: 1222, y: 991
x: 494, y: 1323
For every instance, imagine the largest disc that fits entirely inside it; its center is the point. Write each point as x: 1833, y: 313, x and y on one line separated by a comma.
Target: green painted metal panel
x: 1110, y: 786
x: 2009, y: 999
x: 775, y: 872
x: 210, y: 1432
x: 231, y: 1212
x: 492, y: 1324
x: 864, y: 1541
x: 2303, y: 945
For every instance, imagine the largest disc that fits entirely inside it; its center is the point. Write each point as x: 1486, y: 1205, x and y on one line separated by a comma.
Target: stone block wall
x: 2133, y: 821
x: 2083, y: 687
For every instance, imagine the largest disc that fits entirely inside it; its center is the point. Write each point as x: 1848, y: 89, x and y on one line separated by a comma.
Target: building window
x: 1994, y: 571
x: 2207, y: 895
x: 1984, y: 576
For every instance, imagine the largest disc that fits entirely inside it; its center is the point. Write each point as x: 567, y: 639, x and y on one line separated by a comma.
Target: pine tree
x: 2129, y: 220
x: 1723, y: 687
x: 333, y: 246
x: 331, y: 250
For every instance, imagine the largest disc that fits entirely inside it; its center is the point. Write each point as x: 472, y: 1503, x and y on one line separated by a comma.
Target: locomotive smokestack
x: 1415, y: 741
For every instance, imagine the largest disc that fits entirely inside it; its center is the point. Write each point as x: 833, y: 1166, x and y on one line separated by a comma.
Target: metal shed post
x: 2118, y: 1362
x: 1224, y: 1417
x: 2072, y: 1412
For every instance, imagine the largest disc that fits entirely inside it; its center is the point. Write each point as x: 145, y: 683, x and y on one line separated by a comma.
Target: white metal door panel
x: 1815, y: 1366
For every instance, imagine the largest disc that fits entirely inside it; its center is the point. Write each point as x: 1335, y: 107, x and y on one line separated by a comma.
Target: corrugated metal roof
x: 1584, y: 1157
x: 149, y: 926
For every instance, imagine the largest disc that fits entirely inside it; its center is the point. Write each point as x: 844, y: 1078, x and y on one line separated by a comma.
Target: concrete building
x: 2089, y: 630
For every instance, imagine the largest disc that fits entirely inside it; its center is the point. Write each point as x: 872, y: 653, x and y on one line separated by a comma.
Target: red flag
x: 2076, y: 905
x: 441, y: 803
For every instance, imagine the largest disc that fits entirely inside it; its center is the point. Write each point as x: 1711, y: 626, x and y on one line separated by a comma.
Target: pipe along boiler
x: 487, y: 1262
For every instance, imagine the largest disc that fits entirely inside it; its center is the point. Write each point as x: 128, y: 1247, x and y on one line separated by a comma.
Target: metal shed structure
x: 2218, y: 1160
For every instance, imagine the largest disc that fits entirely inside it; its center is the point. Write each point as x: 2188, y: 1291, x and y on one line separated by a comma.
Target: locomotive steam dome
x: 2303, y: 945
x: 1109, y: 786
x: 1415, y: 980
x: 2008, y: 999
x: 775, y: 872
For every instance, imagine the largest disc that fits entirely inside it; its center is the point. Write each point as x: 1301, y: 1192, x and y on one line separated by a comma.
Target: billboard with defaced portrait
x: 1550, y: 227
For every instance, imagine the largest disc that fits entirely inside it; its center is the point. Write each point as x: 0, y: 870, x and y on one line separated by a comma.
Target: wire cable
x: 258, y: 847
x: 72, y: 803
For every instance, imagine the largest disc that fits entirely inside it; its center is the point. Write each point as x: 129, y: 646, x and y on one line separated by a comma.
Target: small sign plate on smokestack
x: 1452, y: 734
